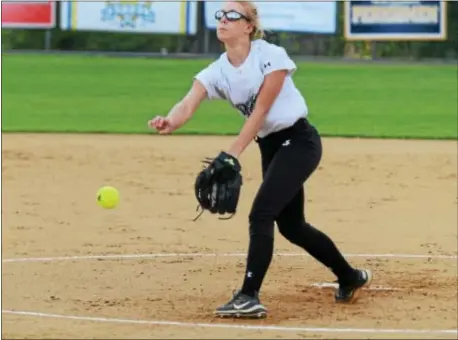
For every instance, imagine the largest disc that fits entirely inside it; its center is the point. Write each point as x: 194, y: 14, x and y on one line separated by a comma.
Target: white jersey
x: 240, y: 85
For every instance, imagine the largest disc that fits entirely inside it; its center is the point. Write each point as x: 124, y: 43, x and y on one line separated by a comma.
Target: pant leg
x: 294, y: 227
x: 289, y: 168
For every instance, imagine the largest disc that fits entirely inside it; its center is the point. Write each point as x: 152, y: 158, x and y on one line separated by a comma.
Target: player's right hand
x: 161, y: 124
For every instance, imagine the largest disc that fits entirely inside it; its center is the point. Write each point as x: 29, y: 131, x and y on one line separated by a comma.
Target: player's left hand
x: 217, y: 187
x: 225, y: 167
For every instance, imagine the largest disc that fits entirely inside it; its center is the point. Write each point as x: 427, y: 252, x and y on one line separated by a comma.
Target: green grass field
x: 100, y: 94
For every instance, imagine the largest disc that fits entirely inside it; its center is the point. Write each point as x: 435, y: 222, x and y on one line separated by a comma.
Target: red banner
x: 35, y: 14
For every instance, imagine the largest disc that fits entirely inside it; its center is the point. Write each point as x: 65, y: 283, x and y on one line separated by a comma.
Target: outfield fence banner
x: 30, y: 14
x: 178, y: 17
x: 300, y: 16
x: 395, y: 20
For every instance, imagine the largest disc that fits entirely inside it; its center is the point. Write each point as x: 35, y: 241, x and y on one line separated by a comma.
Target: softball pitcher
x: 256, y: 78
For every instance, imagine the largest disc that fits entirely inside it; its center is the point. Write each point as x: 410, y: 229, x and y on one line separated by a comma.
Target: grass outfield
x: 117, y: 95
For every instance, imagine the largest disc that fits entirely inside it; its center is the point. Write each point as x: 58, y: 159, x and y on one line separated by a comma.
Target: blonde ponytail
x: 258, y: 32
x: 252, y: 12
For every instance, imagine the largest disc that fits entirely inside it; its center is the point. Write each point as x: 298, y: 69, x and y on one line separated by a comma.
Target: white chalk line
x: 372, y: 288
x: 164, y: 255
x: 232, y: 326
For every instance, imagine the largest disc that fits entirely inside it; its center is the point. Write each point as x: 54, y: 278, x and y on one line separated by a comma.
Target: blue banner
x: 287, y: 16
x: 395, y: 20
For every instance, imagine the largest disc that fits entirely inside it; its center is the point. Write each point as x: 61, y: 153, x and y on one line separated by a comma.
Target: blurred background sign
x: 336, y: 29
x: 179, y: 17
x: 395, y: 20
x: 31, y: 14
x: 301, y: 16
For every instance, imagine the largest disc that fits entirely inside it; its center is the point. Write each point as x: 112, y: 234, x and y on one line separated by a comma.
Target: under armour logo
x: 287, y: 142
x: 249, y: 274
x: 266, y: 65
x: 230, y: 161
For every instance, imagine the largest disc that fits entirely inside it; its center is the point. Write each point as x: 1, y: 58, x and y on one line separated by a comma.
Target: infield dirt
x: 369, y: 196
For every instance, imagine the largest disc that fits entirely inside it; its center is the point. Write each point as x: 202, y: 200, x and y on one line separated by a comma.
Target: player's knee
x: 295, y: 231
x: 290, y: 232
x: 261, y: 223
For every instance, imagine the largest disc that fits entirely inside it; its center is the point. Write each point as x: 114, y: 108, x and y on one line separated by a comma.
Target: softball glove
x: 217, y: 186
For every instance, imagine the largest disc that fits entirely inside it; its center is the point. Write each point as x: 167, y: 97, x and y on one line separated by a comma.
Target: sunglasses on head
x: 230, y: 15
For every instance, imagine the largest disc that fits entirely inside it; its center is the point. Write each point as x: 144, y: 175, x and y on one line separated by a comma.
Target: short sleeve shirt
x: 240, y: 85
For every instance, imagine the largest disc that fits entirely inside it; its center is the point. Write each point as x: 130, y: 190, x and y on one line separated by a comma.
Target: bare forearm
x: 248, y: 133
x: 179, y: 114
x: 267, y: 95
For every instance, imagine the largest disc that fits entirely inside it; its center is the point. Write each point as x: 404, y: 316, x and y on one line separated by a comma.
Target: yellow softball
x: 108, y: 197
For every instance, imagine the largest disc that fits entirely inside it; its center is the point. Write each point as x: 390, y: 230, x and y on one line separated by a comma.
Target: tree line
x: 333, y: 45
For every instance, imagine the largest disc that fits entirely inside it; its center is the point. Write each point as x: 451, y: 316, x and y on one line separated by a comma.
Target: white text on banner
x: 400, y: 20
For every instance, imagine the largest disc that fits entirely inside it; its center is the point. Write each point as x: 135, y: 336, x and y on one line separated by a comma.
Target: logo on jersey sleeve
x: 247, y: 108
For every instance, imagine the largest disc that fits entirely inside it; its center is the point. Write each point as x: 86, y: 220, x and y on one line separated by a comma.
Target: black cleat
x: 242, y: 306
x: 348, y: 292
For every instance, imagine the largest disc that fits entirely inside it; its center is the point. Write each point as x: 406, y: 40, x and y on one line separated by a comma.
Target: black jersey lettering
x: 247, y: 108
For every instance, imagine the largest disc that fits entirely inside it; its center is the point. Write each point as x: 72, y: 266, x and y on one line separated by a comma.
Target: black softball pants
x: 288, y: 157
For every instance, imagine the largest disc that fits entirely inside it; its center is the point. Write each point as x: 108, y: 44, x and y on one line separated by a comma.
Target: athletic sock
x: 259, y: 257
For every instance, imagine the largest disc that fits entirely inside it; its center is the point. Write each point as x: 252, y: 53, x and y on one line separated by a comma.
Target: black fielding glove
x: 217, y: 186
